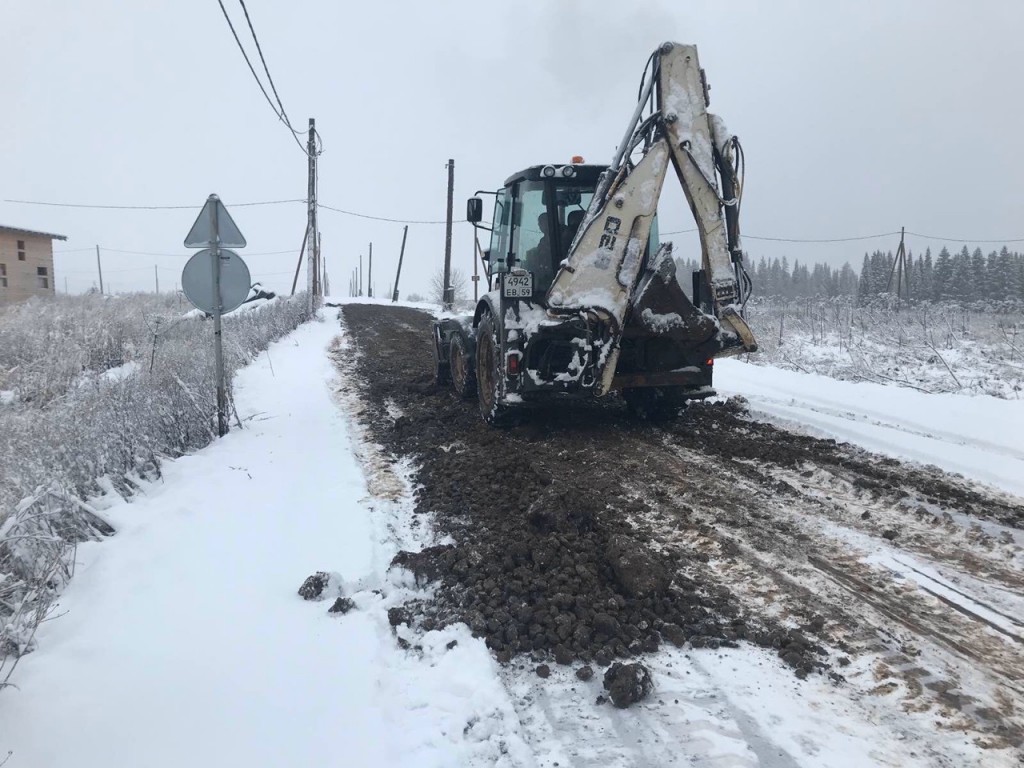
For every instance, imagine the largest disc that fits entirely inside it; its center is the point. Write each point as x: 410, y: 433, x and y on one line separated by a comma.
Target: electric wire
x: 279, y: 108
x: 283, y: 113
x: 178, y: 255
x: 193, y: 206
x: 386, y: 218
x: 966, y: 239
x: 820, y: 240
x: 245, y: 55
x: 460, y: 221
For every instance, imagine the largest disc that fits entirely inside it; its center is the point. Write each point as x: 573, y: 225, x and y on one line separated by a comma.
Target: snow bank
x: 977, y: 436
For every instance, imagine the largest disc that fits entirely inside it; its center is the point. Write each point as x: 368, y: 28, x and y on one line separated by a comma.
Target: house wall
x: 23, y: 277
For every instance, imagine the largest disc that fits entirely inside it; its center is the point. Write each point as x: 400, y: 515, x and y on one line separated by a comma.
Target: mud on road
x: 581, y: 536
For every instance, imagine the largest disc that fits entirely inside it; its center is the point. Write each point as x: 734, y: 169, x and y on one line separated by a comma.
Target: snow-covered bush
x: 933, y: 347
x: 94, y: 392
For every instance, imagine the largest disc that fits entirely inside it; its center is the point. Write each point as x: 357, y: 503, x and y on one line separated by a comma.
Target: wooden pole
x: 447, y: 299
x: 99, y: 268
x: 298, y: 266
x: 401, y: 254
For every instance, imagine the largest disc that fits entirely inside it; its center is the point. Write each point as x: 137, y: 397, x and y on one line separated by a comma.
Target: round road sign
x: 197, y: 280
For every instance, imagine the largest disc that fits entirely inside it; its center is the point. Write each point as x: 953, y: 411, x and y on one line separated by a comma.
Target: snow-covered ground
x: 981, y: 437
x: 181, y: 640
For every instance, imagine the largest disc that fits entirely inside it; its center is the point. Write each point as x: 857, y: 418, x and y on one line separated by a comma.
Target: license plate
x: 517, y: 286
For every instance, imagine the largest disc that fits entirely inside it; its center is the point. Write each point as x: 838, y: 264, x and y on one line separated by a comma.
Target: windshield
x: 546, y: 217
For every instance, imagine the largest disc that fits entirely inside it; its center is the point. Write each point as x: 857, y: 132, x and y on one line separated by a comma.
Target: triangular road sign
x: 202, y: 234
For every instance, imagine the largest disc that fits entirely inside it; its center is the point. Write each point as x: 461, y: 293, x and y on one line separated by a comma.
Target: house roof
x: 20, y: 231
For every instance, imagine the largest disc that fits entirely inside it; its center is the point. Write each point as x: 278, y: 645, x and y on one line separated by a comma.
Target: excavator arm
x: 606, y: 273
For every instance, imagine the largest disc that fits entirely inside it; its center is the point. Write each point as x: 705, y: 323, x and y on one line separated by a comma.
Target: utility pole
x: 360, y: 274
x: 313, y: 261
x: 327, y: 279
x: 218, y: 350
x: 99, y: 268
x: 447, y: 298
x: 65, y: 286
x: 401, y: 253
x: 369, y: 274
x: 900, y: 267
x: 156, y: 277
x: 302, y: 250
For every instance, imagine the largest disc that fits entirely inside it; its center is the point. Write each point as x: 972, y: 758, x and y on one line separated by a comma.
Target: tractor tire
x: 442, y: 373
x: 462, y: 375
x: 489, y: 374
x: 655, y: 404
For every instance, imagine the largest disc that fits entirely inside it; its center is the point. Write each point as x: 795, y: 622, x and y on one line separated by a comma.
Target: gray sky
x: 856, y: 118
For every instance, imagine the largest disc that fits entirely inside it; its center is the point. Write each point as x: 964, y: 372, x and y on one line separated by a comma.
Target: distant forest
x: 963, y: 276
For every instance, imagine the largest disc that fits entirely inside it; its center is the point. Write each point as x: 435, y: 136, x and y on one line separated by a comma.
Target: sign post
x: 215, y: 230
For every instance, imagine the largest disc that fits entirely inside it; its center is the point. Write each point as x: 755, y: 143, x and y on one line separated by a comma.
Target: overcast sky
x: 856, y: 117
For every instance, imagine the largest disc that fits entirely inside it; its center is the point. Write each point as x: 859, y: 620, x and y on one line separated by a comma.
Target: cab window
x: 532, y: 233
x: 499, y: 233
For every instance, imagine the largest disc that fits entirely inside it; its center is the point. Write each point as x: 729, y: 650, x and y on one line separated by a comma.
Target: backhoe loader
x: 584, y: 300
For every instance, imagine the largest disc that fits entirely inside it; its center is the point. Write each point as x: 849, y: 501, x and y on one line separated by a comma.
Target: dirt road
x: 581, y: 536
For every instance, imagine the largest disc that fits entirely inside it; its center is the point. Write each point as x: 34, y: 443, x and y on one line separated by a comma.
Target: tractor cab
x: 536, y: 216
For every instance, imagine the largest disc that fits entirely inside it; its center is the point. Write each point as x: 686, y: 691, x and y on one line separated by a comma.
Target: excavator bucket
x: 661, y: 308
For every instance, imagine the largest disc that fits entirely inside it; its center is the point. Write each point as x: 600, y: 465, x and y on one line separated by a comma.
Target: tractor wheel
x: 463, y: 377
x: 442, y: 373
x: 655, y: 403
x: 489, y: 373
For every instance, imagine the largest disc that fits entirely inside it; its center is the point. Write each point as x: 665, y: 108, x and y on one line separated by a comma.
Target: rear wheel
x: 489, y: 373
x: 463, y: 377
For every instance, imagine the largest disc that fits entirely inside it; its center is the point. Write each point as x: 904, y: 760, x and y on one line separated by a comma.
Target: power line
x: 246, y: 57
x: 820, y: 240
x: 382, y: 218
x: 863, y: 237
x: 147, y: 207
x: 182, y: 253
x: 797, y: 239
x: 967, y: 239
x: 259, y: 49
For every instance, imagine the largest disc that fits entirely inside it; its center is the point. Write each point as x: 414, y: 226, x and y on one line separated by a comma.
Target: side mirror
x: 474, y: 210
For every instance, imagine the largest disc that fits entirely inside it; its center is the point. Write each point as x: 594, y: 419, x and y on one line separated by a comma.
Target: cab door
x: 501, y: 225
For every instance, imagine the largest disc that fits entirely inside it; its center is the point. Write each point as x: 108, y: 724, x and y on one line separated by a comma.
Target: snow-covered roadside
x: 181, y: 640
x: 977, y: 436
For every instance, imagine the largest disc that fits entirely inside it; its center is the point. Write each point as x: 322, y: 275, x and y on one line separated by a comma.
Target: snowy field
x: 946, y: 347
x: 181, y: 640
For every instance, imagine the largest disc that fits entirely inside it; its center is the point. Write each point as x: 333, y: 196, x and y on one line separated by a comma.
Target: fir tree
x: 943, y: 276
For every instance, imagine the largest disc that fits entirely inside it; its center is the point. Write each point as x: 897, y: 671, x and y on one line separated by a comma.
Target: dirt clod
x: 585, y: 672
x: 399, y: 615
x: 342, y: 605
x: 543, y: 671
x: 313, y: 587
x: 627, y: 683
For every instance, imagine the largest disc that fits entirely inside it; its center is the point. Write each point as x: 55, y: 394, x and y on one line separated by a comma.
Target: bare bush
x: 940, y: 347
x: 459, y: 285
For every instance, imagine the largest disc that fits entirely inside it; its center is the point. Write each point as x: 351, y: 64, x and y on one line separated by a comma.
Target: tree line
x: 964, y: 276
